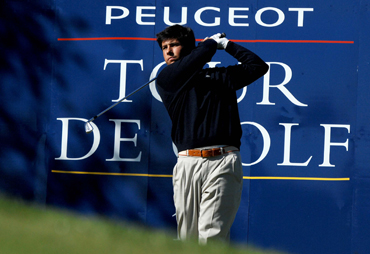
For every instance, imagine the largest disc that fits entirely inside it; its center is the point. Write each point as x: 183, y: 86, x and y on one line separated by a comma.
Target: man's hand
x: 221, y: 41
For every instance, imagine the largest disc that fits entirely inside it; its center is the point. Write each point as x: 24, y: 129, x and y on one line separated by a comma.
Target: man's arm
x: 173, y: 76
x: 252, y: 67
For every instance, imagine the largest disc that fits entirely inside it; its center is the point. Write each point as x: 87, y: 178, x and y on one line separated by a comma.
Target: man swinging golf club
x: 202, y: 105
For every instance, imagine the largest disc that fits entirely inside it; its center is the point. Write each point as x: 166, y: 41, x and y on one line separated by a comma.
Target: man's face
x: 171, y: 49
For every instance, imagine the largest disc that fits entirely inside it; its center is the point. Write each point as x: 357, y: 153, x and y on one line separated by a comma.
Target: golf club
x: 88, y: 126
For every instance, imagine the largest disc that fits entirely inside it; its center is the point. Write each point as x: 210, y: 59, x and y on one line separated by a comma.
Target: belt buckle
x: 217, y: 152
x: 204, y: 153
x: 211, y: 152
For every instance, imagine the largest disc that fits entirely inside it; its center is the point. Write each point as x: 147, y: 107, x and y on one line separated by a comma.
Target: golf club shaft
x: 118, y: 102
x: 150, y: 81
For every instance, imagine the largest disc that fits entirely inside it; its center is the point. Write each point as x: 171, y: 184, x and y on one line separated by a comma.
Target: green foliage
x: 27, y: 228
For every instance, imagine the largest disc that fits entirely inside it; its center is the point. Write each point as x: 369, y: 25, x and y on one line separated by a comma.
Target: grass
x: 27, y: 228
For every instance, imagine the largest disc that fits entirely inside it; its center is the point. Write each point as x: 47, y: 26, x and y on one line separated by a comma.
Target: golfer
x: 202, y: 105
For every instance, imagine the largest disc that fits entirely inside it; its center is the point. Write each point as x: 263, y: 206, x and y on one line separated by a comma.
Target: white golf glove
x: 221, y: 42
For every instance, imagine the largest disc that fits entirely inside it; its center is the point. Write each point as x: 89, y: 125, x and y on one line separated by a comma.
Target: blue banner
x: 305, y: 123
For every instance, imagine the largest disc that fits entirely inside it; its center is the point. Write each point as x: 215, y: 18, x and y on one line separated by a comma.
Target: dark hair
x: 184, y: 35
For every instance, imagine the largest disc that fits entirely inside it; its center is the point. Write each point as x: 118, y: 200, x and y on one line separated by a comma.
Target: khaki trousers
x: 207, y: 193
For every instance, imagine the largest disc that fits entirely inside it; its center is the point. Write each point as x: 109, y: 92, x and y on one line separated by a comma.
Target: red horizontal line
x: 294, y: 41
x: 107, y: 38
x: 248, y: 41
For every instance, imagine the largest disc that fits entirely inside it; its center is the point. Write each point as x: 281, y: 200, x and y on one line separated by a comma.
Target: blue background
x: 45, y: 79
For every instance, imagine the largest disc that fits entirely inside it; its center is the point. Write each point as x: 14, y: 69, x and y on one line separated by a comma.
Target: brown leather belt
x: 205, y: 153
